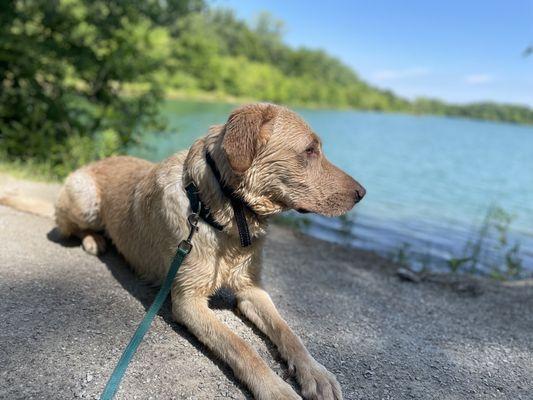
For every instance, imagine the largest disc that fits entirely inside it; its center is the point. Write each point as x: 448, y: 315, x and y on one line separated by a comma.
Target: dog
x: 264, y: 160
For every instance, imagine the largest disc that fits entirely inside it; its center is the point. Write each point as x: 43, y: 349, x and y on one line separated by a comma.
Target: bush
x: 63, y: 69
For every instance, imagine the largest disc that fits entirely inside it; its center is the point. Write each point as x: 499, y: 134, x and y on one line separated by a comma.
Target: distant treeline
x: 215, y: 51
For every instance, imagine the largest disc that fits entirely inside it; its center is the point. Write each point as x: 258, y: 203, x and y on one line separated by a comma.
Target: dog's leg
x: 316, y: 382
x: 77, y: 211
x: 93, y: 243
x: 247, y: 365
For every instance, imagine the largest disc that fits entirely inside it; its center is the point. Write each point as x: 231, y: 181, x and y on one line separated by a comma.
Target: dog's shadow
x: 145, y: 293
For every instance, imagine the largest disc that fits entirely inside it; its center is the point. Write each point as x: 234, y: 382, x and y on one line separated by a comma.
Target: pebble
x: 407, y: 275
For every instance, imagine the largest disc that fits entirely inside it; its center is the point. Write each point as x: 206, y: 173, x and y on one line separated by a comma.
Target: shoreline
x: 20, y: 184
x: 23, y: 183
x: 218, y: 97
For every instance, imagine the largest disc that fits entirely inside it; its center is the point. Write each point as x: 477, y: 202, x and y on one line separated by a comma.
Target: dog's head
x: 278, y: 163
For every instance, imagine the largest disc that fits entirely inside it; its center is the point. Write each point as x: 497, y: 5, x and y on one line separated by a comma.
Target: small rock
x: 368, y: 374
x: 89, y: 377
x: 469, y: 288
x: 408, y: 275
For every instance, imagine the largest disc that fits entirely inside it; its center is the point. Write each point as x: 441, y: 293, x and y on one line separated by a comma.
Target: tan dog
x: 273, y: 162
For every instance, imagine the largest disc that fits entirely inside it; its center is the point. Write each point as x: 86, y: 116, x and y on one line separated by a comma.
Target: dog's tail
x: 29, y: 205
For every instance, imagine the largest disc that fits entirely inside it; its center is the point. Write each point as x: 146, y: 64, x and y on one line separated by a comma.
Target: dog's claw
x: 291, y: 370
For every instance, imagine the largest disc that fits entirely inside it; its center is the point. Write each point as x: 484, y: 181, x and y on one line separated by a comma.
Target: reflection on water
x: 429, y: 180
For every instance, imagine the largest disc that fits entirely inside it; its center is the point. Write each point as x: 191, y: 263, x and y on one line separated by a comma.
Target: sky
x: 459, y: 51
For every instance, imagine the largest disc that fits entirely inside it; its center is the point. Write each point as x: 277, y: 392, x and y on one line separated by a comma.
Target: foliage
x: 505, y: 261
x: 487, y: 110
x: 455, y: 264
x: 491, y: 250
x: 401, y: 255
x: 218, y: 52
x: 79, y: 79
x: 63, y: 66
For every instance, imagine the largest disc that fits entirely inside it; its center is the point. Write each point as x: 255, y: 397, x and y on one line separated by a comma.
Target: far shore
x: 220, y: 97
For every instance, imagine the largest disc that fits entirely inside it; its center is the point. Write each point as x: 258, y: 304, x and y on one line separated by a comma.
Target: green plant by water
x: 490, y: 250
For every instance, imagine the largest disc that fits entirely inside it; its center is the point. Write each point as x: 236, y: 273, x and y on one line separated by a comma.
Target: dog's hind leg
x: 77, y: 211
x: 93, y: 243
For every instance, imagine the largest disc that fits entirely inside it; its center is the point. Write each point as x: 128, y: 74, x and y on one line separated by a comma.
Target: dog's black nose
x: 359, y: 193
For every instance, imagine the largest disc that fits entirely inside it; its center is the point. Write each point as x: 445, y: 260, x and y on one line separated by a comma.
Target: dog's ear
x: 244, y: 133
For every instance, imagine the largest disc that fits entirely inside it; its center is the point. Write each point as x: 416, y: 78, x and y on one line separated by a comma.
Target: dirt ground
x: 66, y: 316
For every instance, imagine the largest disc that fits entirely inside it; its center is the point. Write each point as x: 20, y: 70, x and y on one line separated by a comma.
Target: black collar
x: 239, y: 205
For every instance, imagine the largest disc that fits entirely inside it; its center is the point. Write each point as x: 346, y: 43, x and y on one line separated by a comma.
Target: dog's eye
x: 311, y: 151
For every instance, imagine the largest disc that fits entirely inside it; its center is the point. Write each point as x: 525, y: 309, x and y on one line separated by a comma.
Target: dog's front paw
x: 317, y: 382
x: 280, y: 390
x: 275, y: 388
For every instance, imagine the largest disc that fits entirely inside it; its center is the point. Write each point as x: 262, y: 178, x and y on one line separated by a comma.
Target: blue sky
x: 458, y: 51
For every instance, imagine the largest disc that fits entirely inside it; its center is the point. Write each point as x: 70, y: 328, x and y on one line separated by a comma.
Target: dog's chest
x: 221, y: 261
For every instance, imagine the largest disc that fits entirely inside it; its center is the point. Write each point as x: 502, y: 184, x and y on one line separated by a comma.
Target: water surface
x: 429, y: 180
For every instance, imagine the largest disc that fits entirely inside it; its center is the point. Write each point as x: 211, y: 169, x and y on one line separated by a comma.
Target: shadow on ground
x: 145, y: 294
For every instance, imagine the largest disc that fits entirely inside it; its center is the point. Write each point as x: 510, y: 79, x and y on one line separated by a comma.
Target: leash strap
x: 184, y: 249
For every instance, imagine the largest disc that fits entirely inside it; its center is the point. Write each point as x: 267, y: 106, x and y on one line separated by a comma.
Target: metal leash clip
x: 192, y: 219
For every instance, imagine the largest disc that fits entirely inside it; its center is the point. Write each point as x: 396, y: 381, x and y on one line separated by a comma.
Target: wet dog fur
x: 274, y: 161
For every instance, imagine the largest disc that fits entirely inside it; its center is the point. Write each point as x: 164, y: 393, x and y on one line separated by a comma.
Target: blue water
x: 429, y: 180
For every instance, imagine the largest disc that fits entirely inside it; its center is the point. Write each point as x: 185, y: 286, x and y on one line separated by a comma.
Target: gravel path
x: 66, y: 316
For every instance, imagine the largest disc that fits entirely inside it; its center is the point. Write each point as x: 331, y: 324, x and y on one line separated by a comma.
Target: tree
x: 64, y: 67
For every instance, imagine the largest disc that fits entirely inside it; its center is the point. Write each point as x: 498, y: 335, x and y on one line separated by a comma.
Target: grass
x: 222, y: 97
x: 32, y: 171
x: 207, y: 97
x: 489, y: 252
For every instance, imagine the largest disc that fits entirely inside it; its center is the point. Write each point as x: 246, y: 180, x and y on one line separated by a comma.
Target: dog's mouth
x: 303, y: 211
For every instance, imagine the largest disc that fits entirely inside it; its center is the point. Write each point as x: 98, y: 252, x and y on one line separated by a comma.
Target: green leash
x: 184, y: 249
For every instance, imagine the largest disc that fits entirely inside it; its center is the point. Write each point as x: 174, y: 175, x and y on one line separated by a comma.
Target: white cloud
x: 478, y: 79
x: 397, y: 74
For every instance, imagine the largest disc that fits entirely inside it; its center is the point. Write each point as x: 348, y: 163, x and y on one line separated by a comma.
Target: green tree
x: 64, y: 65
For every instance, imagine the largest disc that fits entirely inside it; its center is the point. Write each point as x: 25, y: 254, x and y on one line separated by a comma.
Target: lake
x: 430, y: 180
